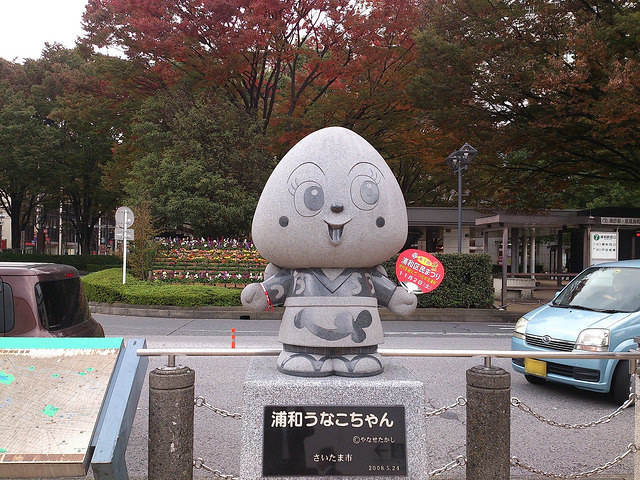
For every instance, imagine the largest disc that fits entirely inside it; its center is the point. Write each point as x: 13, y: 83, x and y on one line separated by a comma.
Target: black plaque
x: 334, y: 440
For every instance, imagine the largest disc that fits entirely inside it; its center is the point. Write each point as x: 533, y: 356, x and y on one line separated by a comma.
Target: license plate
x: 535, y: 367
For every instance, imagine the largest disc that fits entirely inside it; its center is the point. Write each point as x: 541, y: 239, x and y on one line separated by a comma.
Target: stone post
x: 171, y: 405
x: 636, y: 455
x: 633, y: 367
x: 488, y: 423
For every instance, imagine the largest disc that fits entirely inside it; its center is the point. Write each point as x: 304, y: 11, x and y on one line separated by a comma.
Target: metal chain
x: 199, y: 463
x: 605, y: 419
x: 516, y: 462
x: 460, y: 461
x: 201, y: 402
x: 460, y: 402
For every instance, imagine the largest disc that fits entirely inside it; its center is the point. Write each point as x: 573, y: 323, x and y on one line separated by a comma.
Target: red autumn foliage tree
x: 296, y: 65
x: 262, y: 51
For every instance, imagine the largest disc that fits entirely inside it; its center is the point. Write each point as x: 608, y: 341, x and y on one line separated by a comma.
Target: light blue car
x: 597, y: 312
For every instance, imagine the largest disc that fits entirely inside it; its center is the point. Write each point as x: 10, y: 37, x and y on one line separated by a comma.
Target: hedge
x: 106, y: 287
x: 467, y: 283
x: 86, y: 263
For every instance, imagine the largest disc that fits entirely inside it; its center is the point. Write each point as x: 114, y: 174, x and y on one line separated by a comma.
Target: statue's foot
x: 357, y: 365
x: 303, y: 364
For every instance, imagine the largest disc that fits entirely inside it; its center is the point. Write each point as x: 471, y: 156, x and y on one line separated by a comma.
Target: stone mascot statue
x: 329, y: 215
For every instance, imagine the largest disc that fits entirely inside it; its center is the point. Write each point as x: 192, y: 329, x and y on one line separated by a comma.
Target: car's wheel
x: 535, y: 379
x: 622, y: 383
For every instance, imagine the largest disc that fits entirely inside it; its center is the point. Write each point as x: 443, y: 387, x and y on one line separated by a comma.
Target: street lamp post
x: 459, y: 160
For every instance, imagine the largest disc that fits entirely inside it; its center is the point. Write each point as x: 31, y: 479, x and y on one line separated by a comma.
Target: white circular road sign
x: 123, y: 212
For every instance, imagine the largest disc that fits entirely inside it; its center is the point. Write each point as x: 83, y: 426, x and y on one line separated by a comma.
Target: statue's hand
x: 253, y: 297
x: 402, y: 302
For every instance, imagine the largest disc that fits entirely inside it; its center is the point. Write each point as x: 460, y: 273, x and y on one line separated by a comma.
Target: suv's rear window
x: 61, y: 303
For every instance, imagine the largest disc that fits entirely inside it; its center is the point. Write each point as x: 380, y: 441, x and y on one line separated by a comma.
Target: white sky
x: 25, y: 26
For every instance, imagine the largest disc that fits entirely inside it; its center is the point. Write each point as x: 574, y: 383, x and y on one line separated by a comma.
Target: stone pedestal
x: 393, y: 390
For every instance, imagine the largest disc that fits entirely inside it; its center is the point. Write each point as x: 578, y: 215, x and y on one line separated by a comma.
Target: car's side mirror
x: 555, y: 295
x: 7, y: 320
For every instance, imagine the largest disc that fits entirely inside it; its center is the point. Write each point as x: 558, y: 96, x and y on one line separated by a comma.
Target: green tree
x: 61, y: 116
x: 200, y: 160
x: 606, y: 194
x: 29, y: 146
x: 144, y: 248
x: 92, y: 118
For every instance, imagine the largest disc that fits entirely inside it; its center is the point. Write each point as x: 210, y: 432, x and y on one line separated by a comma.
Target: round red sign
x: 418, y: 271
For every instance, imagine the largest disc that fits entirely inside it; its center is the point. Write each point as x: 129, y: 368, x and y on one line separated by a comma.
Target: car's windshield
x: 614, y: 289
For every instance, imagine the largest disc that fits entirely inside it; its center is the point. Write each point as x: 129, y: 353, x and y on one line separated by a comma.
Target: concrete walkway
x: 510, y: 315
x: 544, y: 293
x: 498, y: 314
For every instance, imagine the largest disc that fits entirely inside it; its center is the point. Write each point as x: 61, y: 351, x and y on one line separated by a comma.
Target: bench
x: 516, y: 288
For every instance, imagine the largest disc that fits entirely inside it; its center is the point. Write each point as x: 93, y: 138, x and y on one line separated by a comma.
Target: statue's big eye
x: 309, y: 198
x: 369, y: 192
x: 314, y: 198
x: 364, y: 192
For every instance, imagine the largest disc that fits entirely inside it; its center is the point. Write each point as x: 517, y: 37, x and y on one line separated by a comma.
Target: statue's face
x: 331, y: 202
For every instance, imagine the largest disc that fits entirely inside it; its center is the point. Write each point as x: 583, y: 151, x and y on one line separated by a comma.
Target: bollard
x: 636, y: 456
x: 171, y: 405
x: 488, y: 423
x: 635, y: 372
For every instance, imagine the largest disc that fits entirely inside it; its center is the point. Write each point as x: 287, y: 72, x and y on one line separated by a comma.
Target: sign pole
x: 124, y: 220
x: 459, y: 207
x: 124, y: 253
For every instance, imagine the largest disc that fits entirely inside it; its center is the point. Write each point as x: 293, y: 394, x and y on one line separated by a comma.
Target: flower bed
x: 223, y: 262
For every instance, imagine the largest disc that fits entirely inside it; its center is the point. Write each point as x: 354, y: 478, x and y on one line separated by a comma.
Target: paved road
x: 219, y: 380
x: 174, y: 327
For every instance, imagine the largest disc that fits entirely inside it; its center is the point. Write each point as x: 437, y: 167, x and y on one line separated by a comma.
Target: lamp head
x: 467, y: 153
x: 452, y: 160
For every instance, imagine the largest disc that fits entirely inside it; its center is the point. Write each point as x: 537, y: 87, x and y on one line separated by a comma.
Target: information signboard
x: 619, y: 221
x: 418, y: 271
x: 604, y: 247
x: 51, y: 393
x: 120, y: 233
x: 334, y: 441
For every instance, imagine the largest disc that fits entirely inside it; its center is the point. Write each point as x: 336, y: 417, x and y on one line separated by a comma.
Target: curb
x: 241, y: 313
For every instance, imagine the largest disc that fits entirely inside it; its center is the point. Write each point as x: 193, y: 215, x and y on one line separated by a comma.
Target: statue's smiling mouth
x: 335, y: 231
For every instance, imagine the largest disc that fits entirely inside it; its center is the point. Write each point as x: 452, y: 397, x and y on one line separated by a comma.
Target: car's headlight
x: 593, y: 340
x: 520, y: 328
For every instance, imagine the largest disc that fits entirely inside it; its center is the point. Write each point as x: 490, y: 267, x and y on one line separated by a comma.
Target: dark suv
x: 44, y: 300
